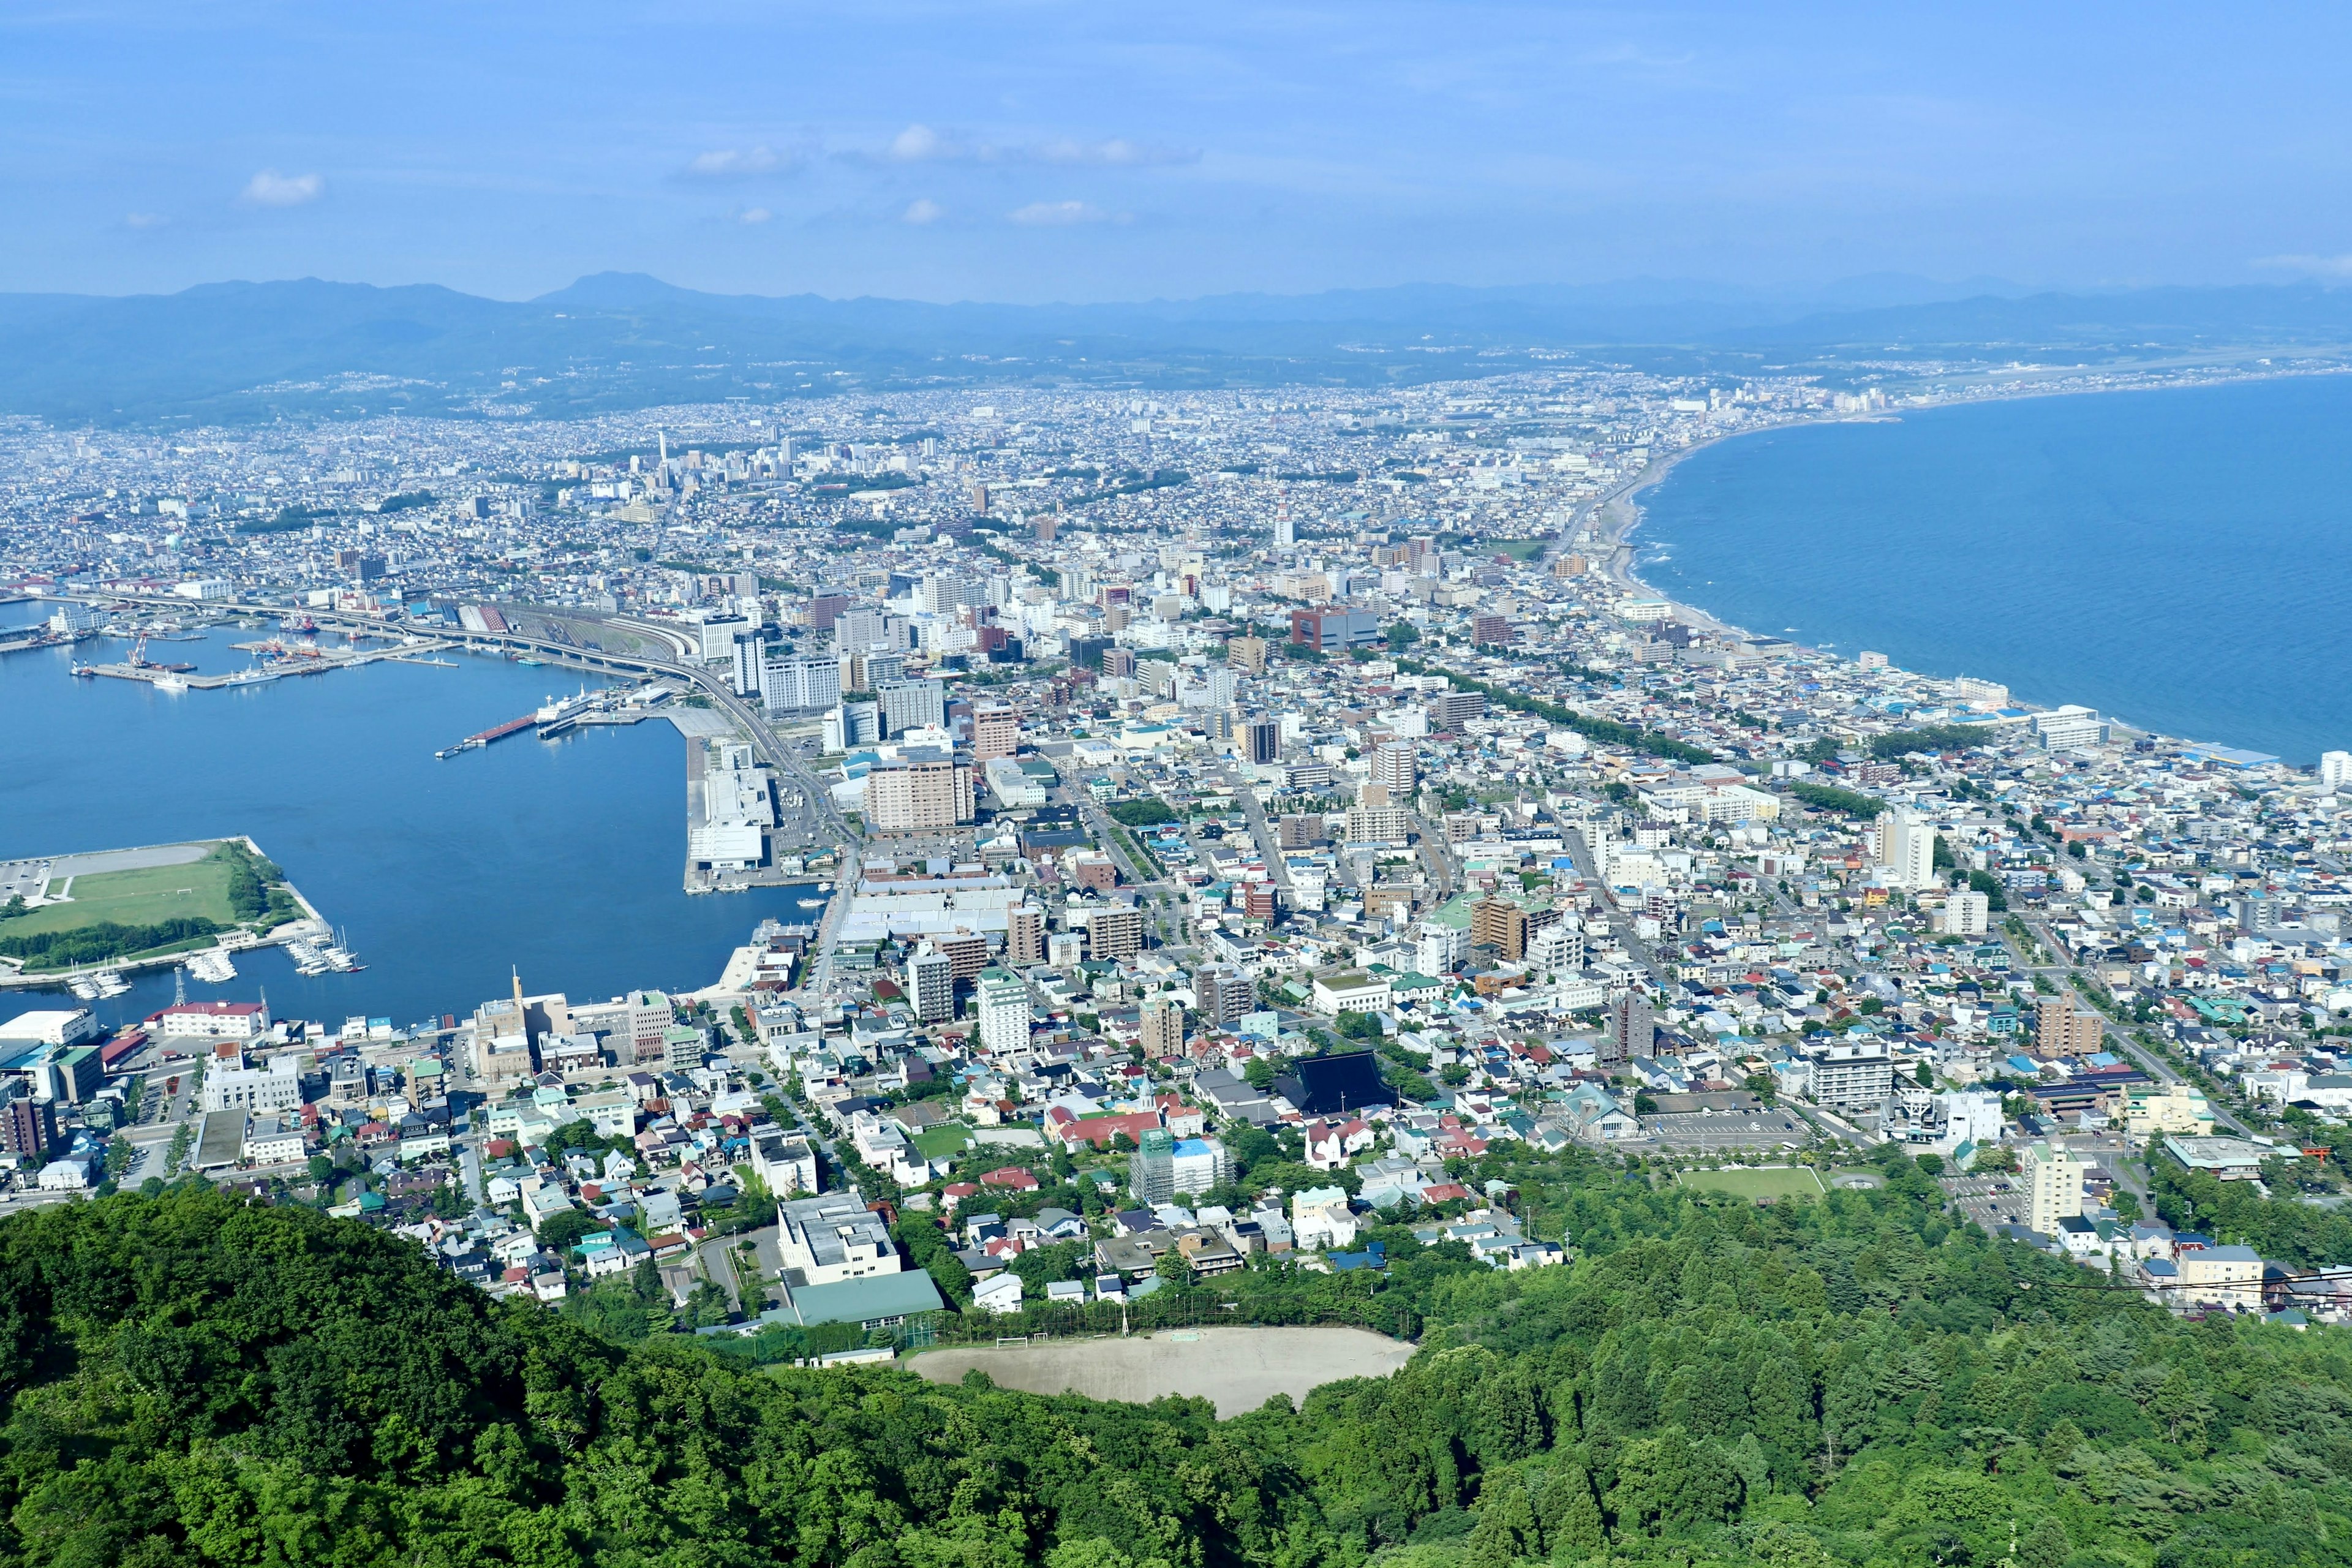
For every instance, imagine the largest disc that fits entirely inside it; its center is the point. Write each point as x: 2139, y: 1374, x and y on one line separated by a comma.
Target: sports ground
x: 138, y: 896
x: 1759, y: 1182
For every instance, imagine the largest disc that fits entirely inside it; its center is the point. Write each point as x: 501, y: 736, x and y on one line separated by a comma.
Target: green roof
x: 868, y: 1301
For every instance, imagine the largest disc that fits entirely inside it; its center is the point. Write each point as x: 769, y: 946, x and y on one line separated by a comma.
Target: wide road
x: 2117, y: 1036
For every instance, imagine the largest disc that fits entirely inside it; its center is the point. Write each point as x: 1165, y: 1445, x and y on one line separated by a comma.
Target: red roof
x: 1012, y: 1176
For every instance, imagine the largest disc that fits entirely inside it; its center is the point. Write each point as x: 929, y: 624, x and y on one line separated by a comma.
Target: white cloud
x: 741, y: 163
x: 145, y: 220
x: 1060, y: 214
x: 1118, y: 152
x: 2310, y: 266
x: 922, y: 210
x: 922, y: 145
x: 753, y: 215
x: 271, y: 189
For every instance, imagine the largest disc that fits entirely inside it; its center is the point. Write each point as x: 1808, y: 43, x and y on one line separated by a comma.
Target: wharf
x: 304, y: 664
x: 494, y: 732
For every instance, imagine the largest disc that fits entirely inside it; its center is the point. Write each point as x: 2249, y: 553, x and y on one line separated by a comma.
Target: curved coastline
x: 1609, y: 526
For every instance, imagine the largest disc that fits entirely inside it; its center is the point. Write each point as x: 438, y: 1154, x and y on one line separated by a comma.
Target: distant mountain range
x: 232, y: 352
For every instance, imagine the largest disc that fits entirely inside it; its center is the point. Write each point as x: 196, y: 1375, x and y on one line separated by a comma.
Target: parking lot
x: 1990, y: 1201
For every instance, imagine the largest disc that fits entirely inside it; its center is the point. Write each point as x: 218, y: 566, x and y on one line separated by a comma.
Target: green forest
x: 1849, y: 1380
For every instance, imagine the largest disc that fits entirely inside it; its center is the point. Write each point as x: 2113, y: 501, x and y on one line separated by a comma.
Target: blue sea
x: 2181, y: 559
x: 561, y: 859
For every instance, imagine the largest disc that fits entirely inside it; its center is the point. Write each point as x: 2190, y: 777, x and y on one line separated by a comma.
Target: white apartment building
x: 2053, y: 1179
x: 1907, y: 848
x: 1004, y: 1012
x: 1965, y: 913
x: 1851, y: 1075
x: 789, y: 684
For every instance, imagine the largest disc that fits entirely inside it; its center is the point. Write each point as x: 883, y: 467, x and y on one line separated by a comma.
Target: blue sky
x: 1043, y: 150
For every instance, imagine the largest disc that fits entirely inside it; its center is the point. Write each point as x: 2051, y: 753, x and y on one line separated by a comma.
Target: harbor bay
x: 2176, y: 558
x: 559, y: 858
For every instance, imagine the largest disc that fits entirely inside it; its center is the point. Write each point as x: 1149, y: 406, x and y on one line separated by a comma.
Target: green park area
x: 1517, y: 549
x: 105, y: 916
x: 142, y: 898
x: 1761, y: 1182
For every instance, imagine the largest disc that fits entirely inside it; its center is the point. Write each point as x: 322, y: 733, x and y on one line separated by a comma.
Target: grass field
x: 1517, y: 549
x: 136, y: 899
x: 937, y: 1142
x: 1766, y: 1182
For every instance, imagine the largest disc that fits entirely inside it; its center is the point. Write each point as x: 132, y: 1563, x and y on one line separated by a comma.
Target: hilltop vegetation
x: 1843, y: 1381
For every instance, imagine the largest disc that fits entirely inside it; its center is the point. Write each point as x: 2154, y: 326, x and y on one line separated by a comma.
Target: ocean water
x: 2182, y: 559
x: 561, y: 859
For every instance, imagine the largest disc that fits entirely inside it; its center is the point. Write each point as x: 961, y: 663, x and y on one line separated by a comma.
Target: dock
x: 185, y: 678
x: 494, y: 732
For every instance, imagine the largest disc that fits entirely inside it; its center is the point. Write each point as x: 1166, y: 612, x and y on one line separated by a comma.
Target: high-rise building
x: 1375, y: 822
x: 1907, y: 848
x: 719, y: 637
x: 1393, y: 769
x: 1298, y: 829
x: 911, y: 796
x: 791, y: 685
x: 1223, y: 994
x: 1633, y: 1031
x: 912, y: 704
x: 2336, y: 769
x: 1163, y: 1026
x: 28, y: 1127
x: 1334, y: 627
x: 1114, y: 932
x: 1500, y: 924
x: 1492, y: 629
x: 750, y: 650
x: 1965, y: 913
x: 1245, y: 654
x: 1262, y: 739
x: 930, y: 985
x: 2066, y: 1030
x: 1436, y: 949
x: 1450, y: 709
x: 1024, y: 935
x: 1003, y: 1011
x: 996, y: 733
x: 2052, y: 1180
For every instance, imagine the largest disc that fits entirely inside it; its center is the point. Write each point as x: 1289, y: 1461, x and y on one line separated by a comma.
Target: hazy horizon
x: 1026, y: 153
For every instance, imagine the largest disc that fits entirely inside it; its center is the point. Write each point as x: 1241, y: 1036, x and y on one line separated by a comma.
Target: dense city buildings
x: 1150, y: 744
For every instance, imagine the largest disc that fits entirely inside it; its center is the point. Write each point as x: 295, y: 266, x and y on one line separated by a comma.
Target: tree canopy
x: 1852, y: 1380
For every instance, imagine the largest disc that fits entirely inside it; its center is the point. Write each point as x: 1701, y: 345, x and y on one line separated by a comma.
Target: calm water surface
x: 2181, y: 559
x: 564, y: 859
